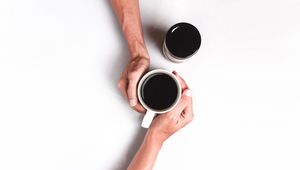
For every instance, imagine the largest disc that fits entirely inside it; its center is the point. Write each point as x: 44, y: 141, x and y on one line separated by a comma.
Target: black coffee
x: 159, y: 91
x: 183, y: 40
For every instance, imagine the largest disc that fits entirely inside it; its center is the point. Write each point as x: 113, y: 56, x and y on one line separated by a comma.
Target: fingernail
x: 188, y: 92
x: 132, y: 102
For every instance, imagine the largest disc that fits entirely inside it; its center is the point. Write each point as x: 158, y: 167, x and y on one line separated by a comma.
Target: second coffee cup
x: 159, y: 91
x: 181, y: 42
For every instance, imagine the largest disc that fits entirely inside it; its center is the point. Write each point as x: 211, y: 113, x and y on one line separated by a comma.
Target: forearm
x: 128, y: 14
x: 146, y: 156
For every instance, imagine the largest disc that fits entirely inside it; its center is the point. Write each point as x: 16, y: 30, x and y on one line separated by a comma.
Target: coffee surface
x: 183, y: 40
x: 159, y: 91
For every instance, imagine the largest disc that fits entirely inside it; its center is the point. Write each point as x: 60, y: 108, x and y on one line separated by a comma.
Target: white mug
x: 150, y: 113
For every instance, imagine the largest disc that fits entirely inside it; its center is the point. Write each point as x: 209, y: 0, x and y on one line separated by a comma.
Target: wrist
x: 138, y: 49
x: 155, y: 136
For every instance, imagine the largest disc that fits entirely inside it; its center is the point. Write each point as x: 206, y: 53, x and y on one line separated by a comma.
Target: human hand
x: 130, y: 77
x: 165, y: 125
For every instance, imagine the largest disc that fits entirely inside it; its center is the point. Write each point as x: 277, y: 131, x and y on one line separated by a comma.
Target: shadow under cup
x: 158, y: 91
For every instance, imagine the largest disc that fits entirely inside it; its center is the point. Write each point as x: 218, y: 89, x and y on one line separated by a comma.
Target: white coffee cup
x: 150, y: 113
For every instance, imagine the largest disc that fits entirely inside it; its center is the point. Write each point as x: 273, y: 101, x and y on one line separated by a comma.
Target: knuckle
x: 185, y: 100
x: 133, y: 74
x: 170, y: 117
x: 120, y: 84
x: 144, y: 61
x: 173, y: 119
x: 137, y: 68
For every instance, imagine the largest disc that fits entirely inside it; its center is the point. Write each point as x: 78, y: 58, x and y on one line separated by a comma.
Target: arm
x: 146, y: 155
x: 128, y: 14
x: 162, y: 127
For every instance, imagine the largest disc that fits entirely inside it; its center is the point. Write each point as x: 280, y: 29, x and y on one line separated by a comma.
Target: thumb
x: 132, y: 96
x: 187, y: 95
x: 132, y: 92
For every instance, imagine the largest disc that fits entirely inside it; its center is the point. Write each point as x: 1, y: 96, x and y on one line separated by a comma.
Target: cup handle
x: 148, y: 119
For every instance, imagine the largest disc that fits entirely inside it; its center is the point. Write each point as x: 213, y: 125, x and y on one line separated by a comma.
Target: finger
x: 122, y: 85
x: 187, y: 115
x: 139, y: 108
x: 183, y: 103
x: 181, y: 80
x: 133, y: 79
x: 132, y: 93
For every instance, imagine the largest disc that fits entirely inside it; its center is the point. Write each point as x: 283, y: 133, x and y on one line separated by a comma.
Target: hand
x: 164, y: 125
x: 130, y: 77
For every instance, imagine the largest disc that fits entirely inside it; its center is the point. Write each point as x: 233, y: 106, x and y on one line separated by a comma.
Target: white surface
x: 60, y: 108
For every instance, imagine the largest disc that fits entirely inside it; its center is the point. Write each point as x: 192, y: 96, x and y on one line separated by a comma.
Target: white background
x: 60, y: 108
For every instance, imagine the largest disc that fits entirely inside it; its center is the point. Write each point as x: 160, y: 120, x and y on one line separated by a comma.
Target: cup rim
x: 169, y: 32
x: 159, y: 71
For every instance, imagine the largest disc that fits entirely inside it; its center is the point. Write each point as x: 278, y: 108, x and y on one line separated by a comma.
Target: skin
x: 164, y: 125
x: 128, y: 14
x: 161, y: 128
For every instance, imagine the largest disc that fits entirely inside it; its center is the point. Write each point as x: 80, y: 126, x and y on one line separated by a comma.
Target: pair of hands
x: 164, y: 125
